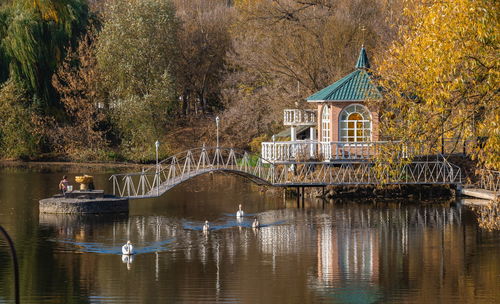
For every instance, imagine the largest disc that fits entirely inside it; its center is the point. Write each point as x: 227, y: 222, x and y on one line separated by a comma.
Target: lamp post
x: 217, y: 125
x: 157, y: 145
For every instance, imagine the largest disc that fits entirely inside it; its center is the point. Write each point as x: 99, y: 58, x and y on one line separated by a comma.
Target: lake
x: 340, y: 251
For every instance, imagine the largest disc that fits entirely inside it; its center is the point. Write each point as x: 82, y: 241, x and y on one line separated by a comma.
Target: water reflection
x: 128, y: 260
x: 361, y: 249
x: 341, y: 252
x: 358, y: 251
x: 488, y: 215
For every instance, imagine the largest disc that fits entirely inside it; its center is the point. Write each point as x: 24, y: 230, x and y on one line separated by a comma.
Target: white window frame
x: 366, y: 129
x: 325, y: 124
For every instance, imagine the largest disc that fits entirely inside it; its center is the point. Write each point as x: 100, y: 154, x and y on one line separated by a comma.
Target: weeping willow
x: 4, y: 60
x: 34, y: 36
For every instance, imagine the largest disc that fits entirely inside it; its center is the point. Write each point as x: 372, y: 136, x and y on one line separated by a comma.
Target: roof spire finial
x: 363, y: 29
x: 363, y: 62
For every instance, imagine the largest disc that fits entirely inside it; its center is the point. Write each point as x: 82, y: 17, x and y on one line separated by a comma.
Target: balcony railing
x: 297, y: 117
x: 324, y: 151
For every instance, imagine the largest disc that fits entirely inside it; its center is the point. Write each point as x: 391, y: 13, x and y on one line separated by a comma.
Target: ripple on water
x: 94, y: 247
x: 227, y: 224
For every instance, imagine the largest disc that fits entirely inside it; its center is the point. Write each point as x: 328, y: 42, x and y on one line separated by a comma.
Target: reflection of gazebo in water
x: 347, y: 253
x: 347, y: 127
x: 355, y: 246
x: 348, y: 263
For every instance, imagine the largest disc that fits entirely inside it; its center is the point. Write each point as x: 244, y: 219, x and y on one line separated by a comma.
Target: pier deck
x: 480, y: 193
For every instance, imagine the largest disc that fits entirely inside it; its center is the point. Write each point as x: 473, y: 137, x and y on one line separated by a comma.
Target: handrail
x: 489, y: 180
x: 299, y: 117
x: 181, y: 167
x: 176, y: 156
x: 453, y: 168
x: 312, y: 149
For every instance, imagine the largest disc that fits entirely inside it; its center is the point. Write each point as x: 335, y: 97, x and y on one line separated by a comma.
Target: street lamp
x: 217, y: 125
x: 157, y: 145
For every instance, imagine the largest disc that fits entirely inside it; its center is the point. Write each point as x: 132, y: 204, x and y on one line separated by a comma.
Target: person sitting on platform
x: 63, y: 184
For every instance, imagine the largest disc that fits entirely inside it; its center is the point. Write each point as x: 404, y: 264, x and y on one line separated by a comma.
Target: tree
x: 78, y: 83
x: 441, y: 77
x: 35, y: 39
x: 16, y: 124
x: 204, y: 41
x: 285, y: 50
x: 137, y: 57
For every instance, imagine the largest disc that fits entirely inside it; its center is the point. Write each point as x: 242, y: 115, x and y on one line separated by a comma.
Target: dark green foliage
x: 4, y: 59
x: 136, y: 56
x: 34, y: 38
x: 17, y: 137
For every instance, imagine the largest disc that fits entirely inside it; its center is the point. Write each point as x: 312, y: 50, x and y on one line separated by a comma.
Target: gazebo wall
x: 335, y: 109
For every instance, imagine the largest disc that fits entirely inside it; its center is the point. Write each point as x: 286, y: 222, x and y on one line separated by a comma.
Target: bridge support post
x: 298, y: 197
x: 303, y: 195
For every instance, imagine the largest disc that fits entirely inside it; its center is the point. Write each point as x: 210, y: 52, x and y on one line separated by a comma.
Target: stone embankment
x: 79, y: 202
x: 425, y: 191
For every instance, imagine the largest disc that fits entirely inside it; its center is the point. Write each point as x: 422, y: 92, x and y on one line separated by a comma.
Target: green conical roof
x: 363, y: 62
x: 356, y: 86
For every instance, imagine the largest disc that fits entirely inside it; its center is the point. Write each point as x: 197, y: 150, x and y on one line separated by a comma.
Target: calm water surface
x: 333, y: 252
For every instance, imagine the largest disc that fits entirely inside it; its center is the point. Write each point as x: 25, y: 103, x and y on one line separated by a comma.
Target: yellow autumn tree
x: 442, y: 77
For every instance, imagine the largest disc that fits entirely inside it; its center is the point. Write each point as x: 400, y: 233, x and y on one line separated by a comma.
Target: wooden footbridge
x: 158, y: 179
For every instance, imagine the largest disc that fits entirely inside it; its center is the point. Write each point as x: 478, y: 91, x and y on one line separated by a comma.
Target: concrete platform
x: 479, y: 193
x: 106, y: 204
x: 475, y: 202
x: 85, y: 194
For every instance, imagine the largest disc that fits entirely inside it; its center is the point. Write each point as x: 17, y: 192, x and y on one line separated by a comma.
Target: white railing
x: 489, y: 180
x: 304, y: 150
x: 158, y: 179
x: 297, y: 117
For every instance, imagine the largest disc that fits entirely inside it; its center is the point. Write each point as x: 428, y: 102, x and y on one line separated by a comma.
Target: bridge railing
x: 358, y: 173
x: 489, y: 180
x: 156, y: 179
x: 454, y: 171
x: 174, y: 170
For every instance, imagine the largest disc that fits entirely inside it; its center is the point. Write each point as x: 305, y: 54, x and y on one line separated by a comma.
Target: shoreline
x: 21, y: 163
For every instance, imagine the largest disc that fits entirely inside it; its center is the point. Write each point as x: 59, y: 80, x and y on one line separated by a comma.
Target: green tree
x: 442, y: 75
x: 4, y: 59
x: 137, y: 57
x: 35, y: 38
x: 16, y: 124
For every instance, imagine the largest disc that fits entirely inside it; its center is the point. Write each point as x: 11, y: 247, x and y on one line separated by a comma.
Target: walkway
x: 487, y: 188
x: 184, y: 166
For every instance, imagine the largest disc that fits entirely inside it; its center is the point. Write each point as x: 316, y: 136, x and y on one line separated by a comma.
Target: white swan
x: 240, y: 212
x: 206, y: 226
x: 255, y: 223
x: 128, y: 249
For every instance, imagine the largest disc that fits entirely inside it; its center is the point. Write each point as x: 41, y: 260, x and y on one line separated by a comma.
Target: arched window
x: 325, y: 124
x: 355, y: 124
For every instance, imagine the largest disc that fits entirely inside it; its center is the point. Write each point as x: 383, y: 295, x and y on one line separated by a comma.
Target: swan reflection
x: 128, y: 259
